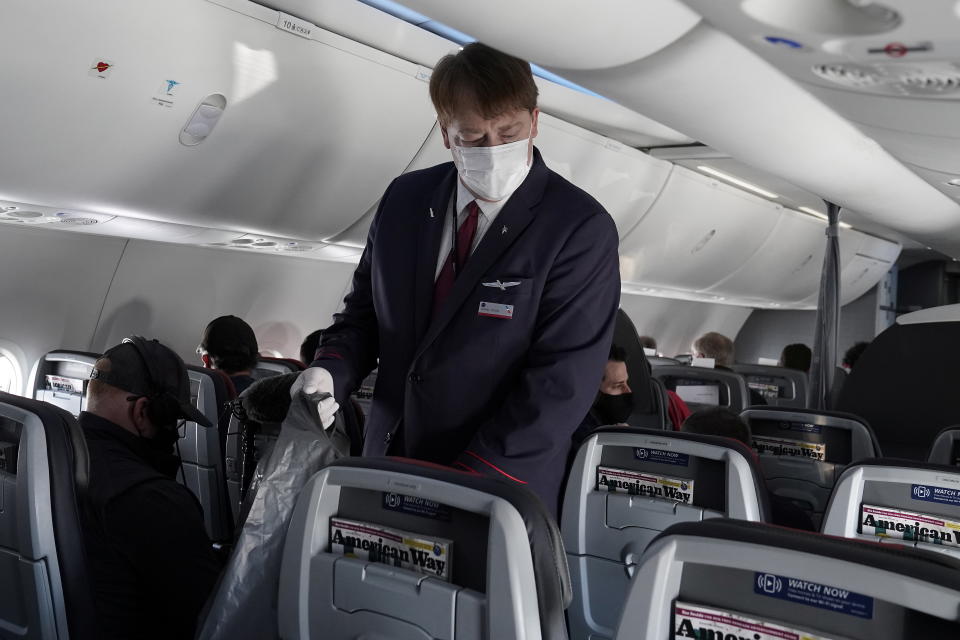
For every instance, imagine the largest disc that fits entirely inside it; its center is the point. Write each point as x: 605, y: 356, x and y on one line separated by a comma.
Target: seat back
x: 267, y: 366
x: 660, y: 361
x: 645, y: 407
x: 779, y: 386
x: 700, y: 387
x: 44, y: 588
x: 389, y: 548
x: 946, y: 448
x: 802, y: 452
x: 62, y: 378
x: 247, y: 442
x: 203, y: 451
x: 610, y: 510
x: 905, y: 386
x: 901, y: 501
x: 733, y: 579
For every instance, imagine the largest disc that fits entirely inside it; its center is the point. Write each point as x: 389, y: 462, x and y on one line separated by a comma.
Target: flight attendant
x: 486, y: 294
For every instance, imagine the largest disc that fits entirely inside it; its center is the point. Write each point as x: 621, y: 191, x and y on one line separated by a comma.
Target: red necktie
x: 447, y: 276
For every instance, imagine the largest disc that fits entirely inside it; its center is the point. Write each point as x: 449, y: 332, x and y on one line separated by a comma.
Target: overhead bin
x: 624, y: 180
x: 313, y: 130
x: 872, y: 259
x: 786, y: 269
x: 697, y: 233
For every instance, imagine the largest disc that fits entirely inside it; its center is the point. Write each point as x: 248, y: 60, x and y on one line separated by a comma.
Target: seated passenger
x: 796, y: 356
x: 151, y: 563
x: 677, y: 410
x: 648, y: 343
x: 724, y: 422
x: 614, y: 401
x: 720, y: 348
x: 852, y: 355
x: 229, y: 344
x: 308, y: 349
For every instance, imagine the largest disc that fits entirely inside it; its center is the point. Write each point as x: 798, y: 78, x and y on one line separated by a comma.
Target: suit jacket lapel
x: 428, y: 245
x: 509, y: 225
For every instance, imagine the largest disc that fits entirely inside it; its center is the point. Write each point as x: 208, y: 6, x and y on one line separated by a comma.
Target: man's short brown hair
x: 717, y: 346
x: 482, y: 78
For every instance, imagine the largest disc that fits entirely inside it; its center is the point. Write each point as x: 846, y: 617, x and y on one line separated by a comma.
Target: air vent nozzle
x: 849, y: 75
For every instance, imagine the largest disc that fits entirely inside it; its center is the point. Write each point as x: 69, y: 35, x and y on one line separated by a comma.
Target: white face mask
x: 493, y: 173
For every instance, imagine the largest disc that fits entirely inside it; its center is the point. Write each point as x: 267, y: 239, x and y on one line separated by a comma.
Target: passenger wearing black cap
x: 151, y: 563
x: 229, y: 344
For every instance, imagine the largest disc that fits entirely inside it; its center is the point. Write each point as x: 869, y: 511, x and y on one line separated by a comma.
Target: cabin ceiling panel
x: 302, y: 149
x: 675, y: 324
x: 282, y: 300
x: 373, y: 27
x: 892, y: 69
x: 53, y: 287
x: 565, y: 33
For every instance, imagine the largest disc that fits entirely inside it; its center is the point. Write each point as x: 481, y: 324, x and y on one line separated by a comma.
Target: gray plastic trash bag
x: 245, y: 602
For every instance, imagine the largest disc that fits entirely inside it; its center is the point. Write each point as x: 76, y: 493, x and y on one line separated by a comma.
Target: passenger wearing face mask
x: 487, y: 293
x: 150, y: 561
x: 614, y: 402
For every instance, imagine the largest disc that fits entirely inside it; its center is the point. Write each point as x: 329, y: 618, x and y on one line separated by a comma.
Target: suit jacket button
x: 387, y: 438
x: 415, y: 378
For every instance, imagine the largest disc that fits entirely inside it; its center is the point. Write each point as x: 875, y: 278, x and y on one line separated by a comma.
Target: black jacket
x: 151, y: 563
x: 500, y: 395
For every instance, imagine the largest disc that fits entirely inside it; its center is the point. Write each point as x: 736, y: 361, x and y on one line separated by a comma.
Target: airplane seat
x: 779, y: 386
x: 836, y: 389
x: 905, y: 502
x: 802, y: 451
x: 203, y: 451
x: 700, y: 387
x: 946, y: 447
x: 646, y: 411
x: 735, y: 579
x: 267, y: 366
x: 62, y: 377
x: 488, y: 556
x: 607, y: 522
x: 905, y: 384
x: 659, y: 418
x: 45, y: 591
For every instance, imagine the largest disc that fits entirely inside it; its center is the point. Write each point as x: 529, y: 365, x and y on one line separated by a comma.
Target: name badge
x: 494, y: 310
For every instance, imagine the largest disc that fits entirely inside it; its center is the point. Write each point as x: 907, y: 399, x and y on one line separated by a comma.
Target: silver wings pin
x: 496, y: 284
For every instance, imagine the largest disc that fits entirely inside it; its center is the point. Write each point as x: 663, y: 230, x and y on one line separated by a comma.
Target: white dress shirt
x: 488, y: 213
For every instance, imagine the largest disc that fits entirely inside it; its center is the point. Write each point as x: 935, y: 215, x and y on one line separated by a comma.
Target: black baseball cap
x: 147, y: 368
x: 229, y: 335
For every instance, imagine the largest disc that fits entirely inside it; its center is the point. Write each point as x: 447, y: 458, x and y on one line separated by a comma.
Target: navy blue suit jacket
x: 499, y: 397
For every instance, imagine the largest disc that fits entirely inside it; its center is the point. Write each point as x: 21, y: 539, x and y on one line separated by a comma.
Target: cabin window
x: 11, y: 380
